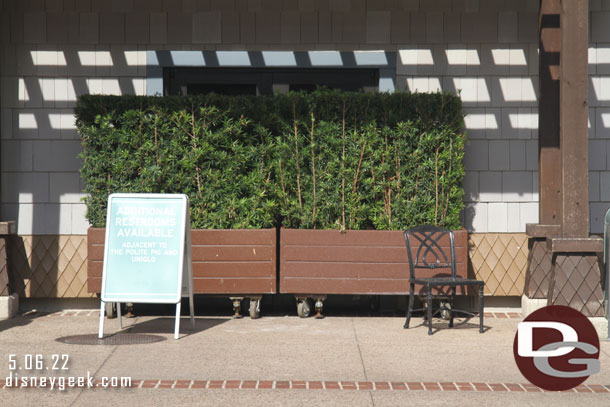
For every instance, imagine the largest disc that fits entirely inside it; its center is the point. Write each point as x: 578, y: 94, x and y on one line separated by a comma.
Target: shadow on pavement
x: 21, y: 320
x: 119, y: 338
x: 458, y: 323
x: 165, y: 325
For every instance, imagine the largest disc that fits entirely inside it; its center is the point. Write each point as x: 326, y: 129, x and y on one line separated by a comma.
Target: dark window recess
x: 261, y: 81
x: 310, y: 87
x: 221, y: 88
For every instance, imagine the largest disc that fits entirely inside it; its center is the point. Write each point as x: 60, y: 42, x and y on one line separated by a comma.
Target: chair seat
x: 446, y: 281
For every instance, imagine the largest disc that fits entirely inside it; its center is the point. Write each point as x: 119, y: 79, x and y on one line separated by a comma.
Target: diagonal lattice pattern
x: 540, y: 264
x: 500, y: 260
x: 55, y: 266
x: 4, y: 281
x: 576, y: 283
x: 50, y: 266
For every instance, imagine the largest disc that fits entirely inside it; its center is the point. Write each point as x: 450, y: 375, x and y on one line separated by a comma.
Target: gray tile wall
x: 54, y: 50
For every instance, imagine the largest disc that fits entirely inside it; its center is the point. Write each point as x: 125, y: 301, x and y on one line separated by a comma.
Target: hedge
x: 326, y: 159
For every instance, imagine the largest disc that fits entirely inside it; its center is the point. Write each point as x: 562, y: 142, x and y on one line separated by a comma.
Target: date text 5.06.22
x: 38, y: 362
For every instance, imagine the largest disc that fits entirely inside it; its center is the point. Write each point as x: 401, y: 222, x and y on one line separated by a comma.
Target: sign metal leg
x: 607, y: 268
x: 188, y: 257
x: 177, y: 327
x: 100, y: 333
x: 192, y: 304
x: 118, y: 314
x: 192, y: 315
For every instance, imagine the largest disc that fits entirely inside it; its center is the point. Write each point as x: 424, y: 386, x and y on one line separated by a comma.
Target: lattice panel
x: 56, y: 266
x: 576, y: 283
x: 499, y: 259
x: 539, y: 271
x: 50, y: 266
x: 4, y: 281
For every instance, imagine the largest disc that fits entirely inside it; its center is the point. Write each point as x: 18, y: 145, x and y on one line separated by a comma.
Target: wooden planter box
x: 355, y: 262
x: 241, y: 261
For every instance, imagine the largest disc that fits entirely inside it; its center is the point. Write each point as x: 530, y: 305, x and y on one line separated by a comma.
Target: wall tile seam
x: 253, y: 46
x: 125, y: 13
x: 52, y: 235
x: 511, y: 201
x: 470, y: 7
x: 41, y: 172
x: 66, y: 75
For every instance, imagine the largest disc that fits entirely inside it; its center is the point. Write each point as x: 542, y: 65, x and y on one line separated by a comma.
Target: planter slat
x: 94, y: 284
x: 248, y: 237
x: 338, y: 238
x: 344, y: 270
x: 224, y: 261
x: 355, y: 262
x: 96, y: 235
x: 353, y: 254
x: 228, y: 253
x: 350, y: 286
x: 372, y: 238
x: 94, y: 269
x: 229, y: 269
x: 233, y: 286
x: 343, y: 286
x: 96, y: 251
x: 204, y: 269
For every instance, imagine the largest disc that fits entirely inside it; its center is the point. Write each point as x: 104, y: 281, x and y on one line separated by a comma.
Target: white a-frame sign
x: 147, y: 253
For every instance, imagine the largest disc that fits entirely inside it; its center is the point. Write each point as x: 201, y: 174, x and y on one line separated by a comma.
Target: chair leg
x: 481, y: 308
x: 410, y: 308
x: 429, y: 311
x: 452, y: 307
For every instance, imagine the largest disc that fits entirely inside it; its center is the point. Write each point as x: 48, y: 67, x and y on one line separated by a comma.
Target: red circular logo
x: 556, y: 348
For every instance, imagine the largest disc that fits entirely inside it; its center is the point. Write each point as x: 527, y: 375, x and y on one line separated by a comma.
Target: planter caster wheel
x: 445, y: 311
x: 110, y: 310
x: 255, y: 307
x: 303, y: 307
x: 237, y: 307
x: 129, y: 310
x: 319, y: 306
x: 425, y: 305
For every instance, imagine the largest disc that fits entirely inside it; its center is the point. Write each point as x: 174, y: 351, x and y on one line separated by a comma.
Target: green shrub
x: 344, y: 174
x: 327, y: 159
x: 221, y: 163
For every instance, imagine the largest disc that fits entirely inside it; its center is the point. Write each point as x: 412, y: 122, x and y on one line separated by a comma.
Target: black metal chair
x: 426, y: 253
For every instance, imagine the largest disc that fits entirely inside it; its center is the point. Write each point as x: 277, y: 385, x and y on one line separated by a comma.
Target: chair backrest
x: 425, y: 248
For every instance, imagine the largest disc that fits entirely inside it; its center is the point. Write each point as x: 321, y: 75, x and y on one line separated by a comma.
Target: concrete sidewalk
x: 283, y: 360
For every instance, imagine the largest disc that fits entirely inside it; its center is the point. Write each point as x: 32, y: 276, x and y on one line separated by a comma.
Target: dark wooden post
x: 538, y: 274
x: 549, y: 146
x: 576, y: 273
x: 563, y: 262
x: 573, y: 120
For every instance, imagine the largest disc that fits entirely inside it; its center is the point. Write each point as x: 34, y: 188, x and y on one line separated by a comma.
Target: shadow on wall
x: 486, y: 75
x: 466, y: 217
x: 41, y: 187
x: 498, y: 87
x: 20, y: 272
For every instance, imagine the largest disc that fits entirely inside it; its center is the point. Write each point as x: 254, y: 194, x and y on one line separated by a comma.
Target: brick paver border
x: 96, y: 313
x: 351, y: 386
